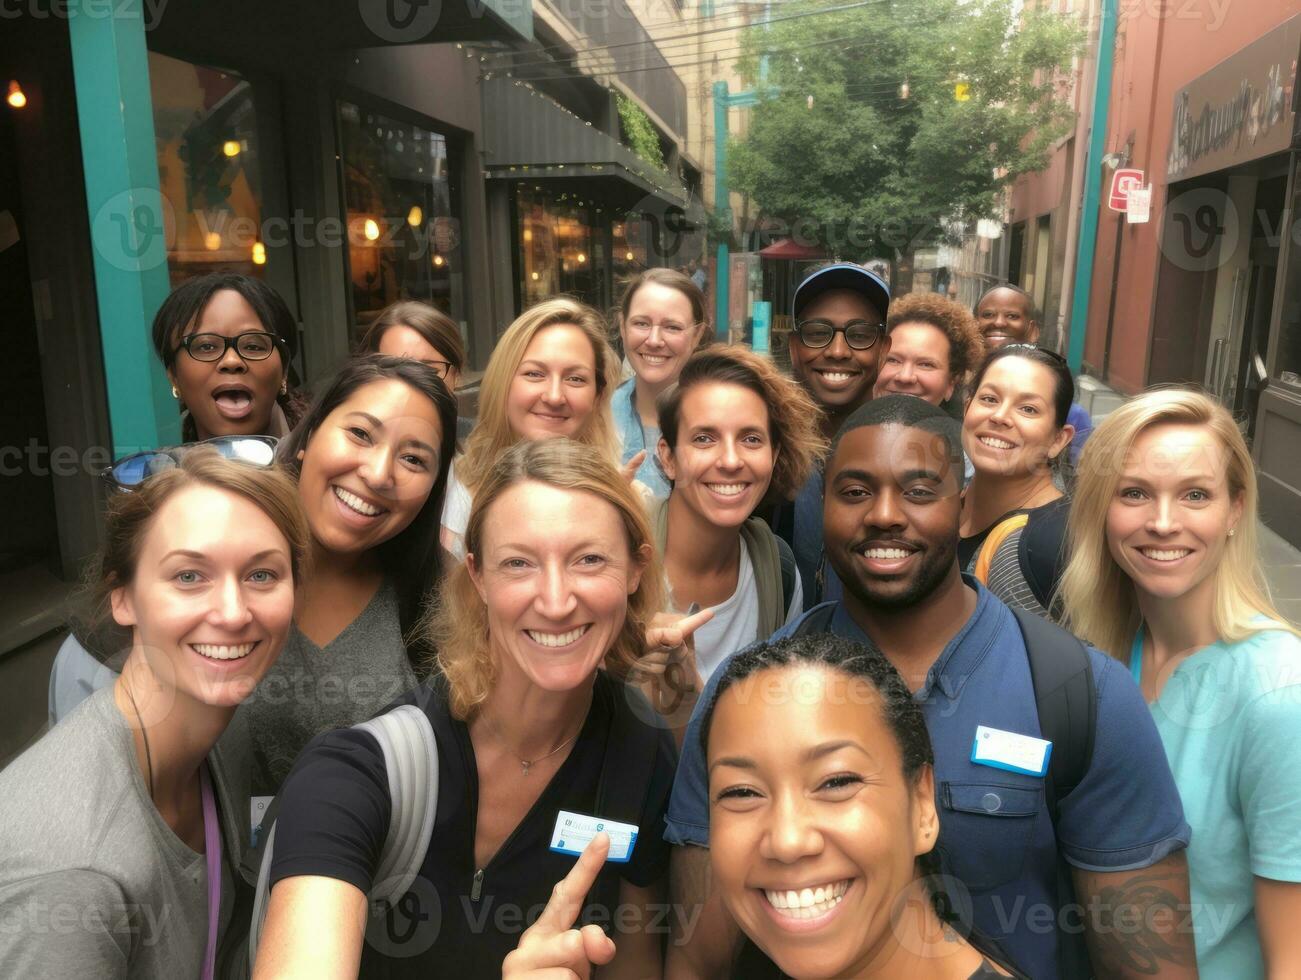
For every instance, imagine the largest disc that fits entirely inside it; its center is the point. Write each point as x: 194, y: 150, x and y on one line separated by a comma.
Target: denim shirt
x: 996, y: 835
x: 633, y: 437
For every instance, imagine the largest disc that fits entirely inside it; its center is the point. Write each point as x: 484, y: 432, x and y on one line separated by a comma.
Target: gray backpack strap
x: 406, y: 738
x: 411, y: 760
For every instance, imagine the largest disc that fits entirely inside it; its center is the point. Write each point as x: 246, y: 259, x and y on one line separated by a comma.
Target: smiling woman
x: 823, y: 820
x: 200, y: 564
x: 533, y: 723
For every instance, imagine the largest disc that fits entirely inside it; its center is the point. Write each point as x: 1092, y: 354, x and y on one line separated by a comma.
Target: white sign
x: 1138, y: 205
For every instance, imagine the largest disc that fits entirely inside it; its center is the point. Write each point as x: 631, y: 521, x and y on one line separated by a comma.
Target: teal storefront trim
x: 128, y: 217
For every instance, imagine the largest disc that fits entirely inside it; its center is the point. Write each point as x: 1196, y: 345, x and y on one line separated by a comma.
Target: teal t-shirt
x: 1230, y: 719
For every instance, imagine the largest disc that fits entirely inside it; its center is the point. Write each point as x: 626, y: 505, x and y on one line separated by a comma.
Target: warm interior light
x: 16, y: 97
x: 415, y: 216
x: 581, y: 258
x: 528, y: 234
x: 212, y: 241
x: 231, y: 148
x: 259, y: 254
x: 628, y: 256
x: 535, y: 275
x: 371, y: 229
x: 438, y: 260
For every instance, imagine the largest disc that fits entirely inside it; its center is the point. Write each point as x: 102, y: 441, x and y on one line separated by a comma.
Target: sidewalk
x: 1281, y: 561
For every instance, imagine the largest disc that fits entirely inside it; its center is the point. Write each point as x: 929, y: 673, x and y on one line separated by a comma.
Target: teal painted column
x: 723, y: 205
x: 128, y: 217
x: 1088, y: 244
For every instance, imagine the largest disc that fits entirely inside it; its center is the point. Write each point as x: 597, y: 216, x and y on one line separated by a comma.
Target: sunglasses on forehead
x: 131, y: 471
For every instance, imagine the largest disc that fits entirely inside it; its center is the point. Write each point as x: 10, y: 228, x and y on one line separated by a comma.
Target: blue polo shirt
x: 996, y: 834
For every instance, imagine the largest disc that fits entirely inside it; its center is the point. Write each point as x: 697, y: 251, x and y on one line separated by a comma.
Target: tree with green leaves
x: 883, y: 122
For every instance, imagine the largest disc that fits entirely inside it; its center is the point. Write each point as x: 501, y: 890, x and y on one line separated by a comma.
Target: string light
x: 16, y: 98
x: 415, y: 216
x: 231, y: 148
x: 259, y: 254
x: 371, y: 229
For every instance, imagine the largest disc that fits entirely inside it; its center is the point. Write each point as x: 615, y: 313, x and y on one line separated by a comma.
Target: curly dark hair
x: 966, y: 346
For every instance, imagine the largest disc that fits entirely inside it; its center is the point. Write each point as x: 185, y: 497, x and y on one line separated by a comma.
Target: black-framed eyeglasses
x: 256, y: 345
x: 130, y: 471
x: 439, y: 368
x: 859, y: 334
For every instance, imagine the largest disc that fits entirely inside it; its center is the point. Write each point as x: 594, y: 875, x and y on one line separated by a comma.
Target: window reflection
x: 206, y: 134
x: 400, y: 196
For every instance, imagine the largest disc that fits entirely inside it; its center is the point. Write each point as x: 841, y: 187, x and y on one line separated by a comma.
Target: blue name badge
x: 1011, y: 752
x: 574, y: 831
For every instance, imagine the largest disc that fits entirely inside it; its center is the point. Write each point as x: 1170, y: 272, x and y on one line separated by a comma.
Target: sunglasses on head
x: 1043, y: 350
x: 131, y: 471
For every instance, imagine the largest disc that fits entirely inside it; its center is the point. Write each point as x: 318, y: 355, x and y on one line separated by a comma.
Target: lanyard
x: 1136, y: 657
x: 212, y: 848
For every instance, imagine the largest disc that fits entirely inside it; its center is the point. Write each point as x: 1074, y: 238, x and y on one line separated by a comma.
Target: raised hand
x: 551, y: 948
x: 629, y: 469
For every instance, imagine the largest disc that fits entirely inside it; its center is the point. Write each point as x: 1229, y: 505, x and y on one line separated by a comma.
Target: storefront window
x: 562, y: 247
x: 1288, y: 365
x: 400, y: 193
x: 208, y: 169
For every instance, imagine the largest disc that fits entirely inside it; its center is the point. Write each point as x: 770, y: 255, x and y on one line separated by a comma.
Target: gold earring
x: 175, y: 394
x: 1232, y: 531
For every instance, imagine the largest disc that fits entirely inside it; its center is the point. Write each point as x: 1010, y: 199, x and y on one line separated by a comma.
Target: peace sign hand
x: 551, y: 948
x: 630, y: 468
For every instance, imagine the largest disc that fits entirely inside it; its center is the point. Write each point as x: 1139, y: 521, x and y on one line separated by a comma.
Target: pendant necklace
x: 526, y: 764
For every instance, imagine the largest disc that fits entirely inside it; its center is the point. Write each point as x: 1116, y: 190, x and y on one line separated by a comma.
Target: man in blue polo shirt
x: 1102, y: 891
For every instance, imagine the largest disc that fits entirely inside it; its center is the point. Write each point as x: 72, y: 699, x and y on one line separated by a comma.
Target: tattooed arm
x: 1139, y: 923
x: 705, y: 938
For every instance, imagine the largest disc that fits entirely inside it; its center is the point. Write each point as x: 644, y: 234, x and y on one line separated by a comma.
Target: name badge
x: 574, y: 831
x: 1010, y: 751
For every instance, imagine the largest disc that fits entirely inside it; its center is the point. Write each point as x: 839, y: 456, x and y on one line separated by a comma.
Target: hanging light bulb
x: 438, y: 260
x: 627, y: 256
x: 371, y: 229
x: 212, y: 241
x: 231, y: 148
x: 16, y: 97
x: 415, y: 216
x: 581, y: 258
x: 259, y: 254
x: 535, y: 276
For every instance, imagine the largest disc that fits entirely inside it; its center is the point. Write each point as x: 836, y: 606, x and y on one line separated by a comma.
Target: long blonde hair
x: 492, y: 433
x: 1099, y: 599
x: 457, y: 625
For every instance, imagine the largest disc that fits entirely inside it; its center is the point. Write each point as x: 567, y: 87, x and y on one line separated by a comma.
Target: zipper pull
x: 476, y: 887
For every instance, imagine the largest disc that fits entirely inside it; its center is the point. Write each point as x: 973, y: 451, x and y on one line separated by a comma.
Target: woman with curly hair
x: 734, y: 434
x: 934, y: 345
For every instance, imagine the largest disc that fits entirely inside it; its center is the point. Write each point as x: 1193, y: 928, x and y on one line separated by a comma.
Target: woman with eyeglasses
x: 1015, y: 433
x: 119, y: 857
x: 662, y: 321
x: 413, y: 329
x: 227, y: 341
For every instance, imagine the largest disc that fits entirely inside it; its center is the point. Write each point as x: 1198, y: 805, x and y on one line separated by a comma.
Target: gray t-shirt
x: 311, y: 689
x: 93, y: 882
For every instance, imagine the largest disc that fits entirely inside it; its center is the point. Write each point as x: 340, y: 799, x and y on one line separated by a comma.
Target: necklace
x: 149, y: 762
x: 527, y: 764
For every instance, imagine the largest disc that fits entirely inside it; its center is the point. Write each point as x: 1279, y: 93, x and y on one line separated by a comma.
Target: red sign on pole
x: 1121, y: 182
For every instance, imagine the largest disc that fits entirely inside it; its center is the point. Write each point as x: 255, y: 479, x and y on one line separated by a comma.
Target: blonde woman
x: 1164, y: 576
x: 536, y: 632
x: 551, y: 374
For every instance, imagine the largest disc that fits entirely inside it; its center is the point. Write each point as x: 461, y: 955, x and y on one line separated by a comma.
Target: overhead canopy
x: 788, y: 248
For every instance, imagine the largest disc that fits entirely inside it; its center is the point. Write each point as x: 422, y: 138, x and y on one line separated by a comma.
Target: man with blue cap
x: 837, y: 346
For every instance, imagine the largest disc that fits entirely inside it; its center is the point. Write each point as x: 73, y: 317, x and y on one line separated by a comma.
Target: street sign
x: 1122, y: 182
x: 1138, y: 205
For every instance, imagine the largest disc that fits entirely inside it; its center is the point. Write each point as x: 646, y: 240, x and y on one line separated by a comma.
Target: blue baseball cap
x: 842, y: 275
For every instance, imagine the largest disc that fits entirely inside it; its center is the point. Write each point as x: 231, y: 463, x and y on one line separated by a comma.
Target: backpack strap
x: 1066, y: 699
x: 993, y: 541
x: 406, y: 739
x: 790, y: 575
x: 765, y: 561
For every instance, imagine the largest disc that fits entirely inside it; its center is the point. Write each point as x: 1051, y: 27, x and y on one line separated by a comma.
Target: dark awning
x: 788, y: 248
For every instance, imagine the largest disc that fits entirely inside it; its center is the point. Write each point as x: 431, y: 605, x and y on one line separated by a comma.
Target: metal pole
x: 1088, y: 243
x: 723, y: 205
